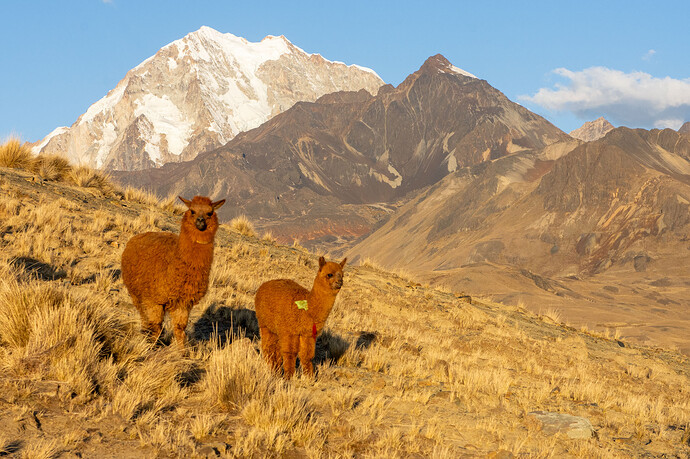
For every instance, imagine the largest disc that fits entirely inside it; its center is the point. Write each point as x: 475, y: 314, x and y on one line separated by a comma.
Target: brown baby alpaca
x: 290, y: 317
x: 166, y: 272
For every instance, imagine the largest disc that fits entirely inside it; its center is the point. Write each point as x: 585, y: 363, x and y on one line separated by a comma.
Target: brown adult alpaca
x: 166, y: 272
x: 290, y: 316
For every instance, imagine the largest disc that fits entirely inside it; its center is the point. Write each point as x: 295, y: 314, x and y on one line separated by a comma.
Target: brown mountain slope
x: 600, y: 232
x: 293, y: 172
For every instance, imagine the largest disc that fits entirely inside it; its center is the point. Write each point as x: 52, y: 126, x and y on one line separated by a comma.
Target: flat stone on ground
x: 552, y: 423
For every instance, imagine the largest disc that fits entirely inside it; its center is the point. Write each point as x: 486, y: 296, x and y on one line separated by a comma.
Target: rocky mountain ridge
x: 294, y: 173
x: 592, y: 130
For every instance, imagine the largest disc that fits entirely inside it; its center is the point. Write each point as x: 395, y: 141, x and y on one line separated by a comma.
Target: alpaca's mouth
x: 337, y: 286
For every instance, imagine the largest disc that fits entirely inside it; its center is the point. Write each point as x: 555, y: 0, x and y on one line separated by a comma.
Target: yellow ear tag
x: 301, y: 304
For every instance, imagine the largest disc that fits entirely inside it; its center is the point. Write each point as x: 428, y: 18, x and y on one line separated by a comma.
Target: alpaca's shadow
x: 223, y: 324
x: 37, y: 269
x: 329, y: 348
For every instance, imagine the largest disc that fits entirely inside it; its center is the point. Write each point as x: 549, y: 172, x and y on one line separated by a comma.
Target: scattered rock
x: 685, y: 439
x: 552, y: 423
x: 443, y: 395
x: 208, y: 451
x: 47, y: 388
x: 663, y: 282
x: 462, y: 296
x: 640, y: 262
x: 442, y: 366
x: 378, y: 383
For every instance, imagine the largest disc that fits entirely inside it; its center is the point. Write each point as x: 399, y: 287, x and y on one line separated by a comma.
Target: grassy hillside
x: 402, y: 370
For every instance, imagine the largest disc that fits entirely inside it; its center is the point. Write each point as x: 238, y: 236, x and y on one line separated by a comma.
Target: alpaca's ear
x: 186, y: 202
x: 342, y: 263
x: 322, y: 261
x: 217, y: 204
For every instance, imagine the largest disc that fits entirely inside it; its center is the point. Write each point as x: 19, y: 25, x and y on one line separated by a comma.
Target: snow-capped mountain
x: 195, y: 94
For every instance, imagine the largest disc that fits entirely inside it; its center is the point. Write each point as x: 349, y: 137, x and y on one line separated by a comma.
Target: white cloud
x: 634, y: 99
x: 648, y: 55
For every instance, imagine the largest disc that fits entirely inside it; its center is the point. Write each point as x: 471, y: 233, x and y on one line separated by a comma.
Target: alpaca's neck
x: 193, y: 253
x: 320, y: 302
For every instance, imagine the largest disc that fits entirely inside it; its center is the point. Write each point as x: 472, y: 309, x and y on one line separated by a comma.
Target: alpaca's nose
x: 200, y: 223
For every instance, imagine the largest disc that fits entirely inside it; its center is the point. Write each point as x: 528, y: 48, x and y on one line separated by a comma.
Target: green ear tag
x: 301, y: 304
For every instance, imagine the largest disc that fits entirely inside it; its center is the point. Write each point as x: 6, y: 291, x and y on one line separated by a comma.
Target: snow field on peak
x: 166, y: 119
x: 461, y: 71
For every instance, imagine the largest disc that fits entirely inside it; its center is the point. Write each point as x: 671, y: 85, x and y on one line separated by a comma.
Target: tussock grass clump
x: 152, y: 385
x: 51, y: 167
x: 50, y: 332
x: 171, y: 203
x: 87, y: 177
x: 141, y: 196
x: 236, y: 374
x: 268, y: 237
x: 242, y: 225
x: 16, y: 155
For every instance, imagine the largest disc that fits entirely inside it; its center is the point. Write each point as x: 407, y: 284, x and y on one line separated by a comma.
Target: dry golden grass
x: 401, y: 370
x: 242, y: 225
x: 16, y: 155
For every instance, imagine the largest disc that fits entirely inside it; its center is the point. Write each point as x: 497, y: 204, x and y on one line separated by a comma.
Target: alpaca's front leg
x: 151, y: 319
x: 307, y: 349
x: 179, y: 316
x: 288, y: 347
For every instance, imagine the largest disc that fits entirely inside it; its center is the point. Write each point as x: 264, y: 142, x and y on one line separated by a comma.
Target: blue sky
x: 567, y: 61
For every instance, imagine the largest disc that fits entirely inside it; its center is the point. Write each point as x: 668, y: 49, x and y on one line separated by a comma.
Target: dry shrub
x: 15, y: 155
x: 86, y: 177
x: 51, y: 167
x: 242, y: 225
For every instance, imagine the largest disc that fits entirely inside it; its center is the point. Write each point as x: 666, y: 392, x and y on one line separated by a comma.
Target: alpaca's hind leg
x: 179, y: 317
x: 270, y: 348
x: 307, y: 349
x: 151, y: 319
x: 288, y: 348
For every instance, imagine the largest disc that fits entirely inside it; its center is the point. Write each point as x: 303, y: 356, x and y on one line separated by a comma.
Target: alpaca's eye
x: 330, y: 274
x: 192, y: 211
x: 210, y: 213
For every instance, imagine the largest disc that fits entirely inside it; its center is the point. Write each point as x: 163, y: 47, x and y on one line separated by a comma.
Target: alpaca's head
x: 330, y: 274
x: 201, y: 220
